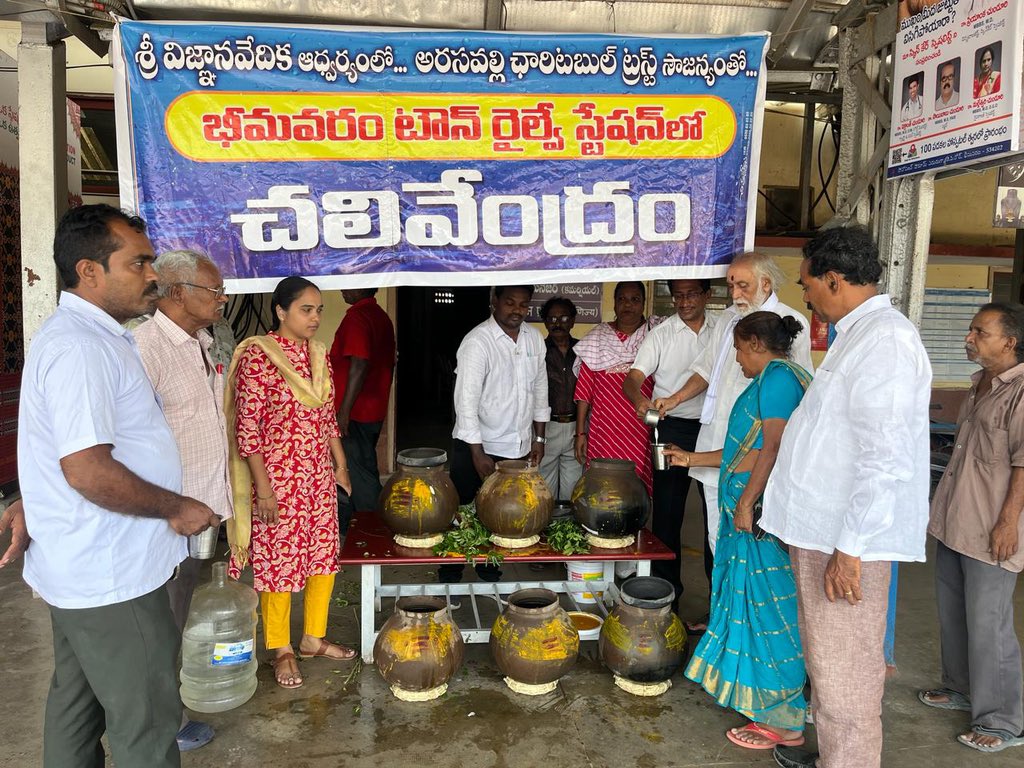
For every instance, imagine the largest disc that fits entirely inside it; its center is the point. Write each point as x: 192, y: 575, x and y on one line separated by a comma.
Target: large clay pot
x: 419, y: 501
x: 419, y: 648
x: 514, y: 504
x: 533, y: 641
x: 642, y: 641
x: 609, y: 500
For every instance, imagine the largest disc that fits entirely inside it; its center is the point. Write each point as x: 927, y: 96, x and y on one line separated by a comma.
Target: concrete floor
x: 341, y: 718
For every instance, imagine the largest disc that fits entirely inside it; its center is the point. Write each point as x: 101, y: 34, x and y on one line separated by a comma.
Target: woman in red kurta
x: 287, y: 435
x: 605, y: 356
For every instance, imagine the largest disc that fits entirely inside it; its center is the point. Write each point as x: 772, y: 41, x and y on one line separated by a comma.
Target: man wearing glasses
x: 175, y: 349
x: 667, y: 354
x: 559, y: 466
x: 948, y: 94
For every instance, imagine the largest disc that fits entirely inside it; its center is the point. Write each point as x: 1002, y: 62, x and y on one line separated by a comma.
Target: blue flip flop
x: 957, y: 701
x: 1007, y: 739
x: 194, y: 735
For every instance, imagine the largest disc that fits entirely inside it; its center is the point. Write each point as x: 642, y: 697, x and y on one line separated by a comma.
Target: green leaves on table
x: 567, y: 537
x: 469, y: 538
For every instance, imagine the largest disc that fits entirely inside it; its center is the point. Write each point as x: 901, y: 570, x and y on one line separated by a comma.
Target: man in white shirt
x: 849, y: 492
x: 501, y: 399
x: 913, y: 107
x: 99, y: 474
x: 174, y: 346
x: 667, y: 354
x: 753, y: 281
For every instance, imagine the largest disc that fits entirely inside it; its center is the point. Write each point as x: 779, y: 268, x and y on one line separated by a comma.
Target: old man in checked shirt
x: 174, y: 346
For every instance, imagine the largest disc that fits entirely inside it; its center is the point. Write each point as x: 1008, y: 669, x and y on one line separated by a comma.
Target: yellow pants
x: 277, y: 610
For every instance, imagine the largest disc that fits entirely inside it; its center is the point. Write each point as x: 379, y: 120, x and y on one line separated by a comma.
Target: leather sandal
x: 347, y: 654
x: 282, y: 680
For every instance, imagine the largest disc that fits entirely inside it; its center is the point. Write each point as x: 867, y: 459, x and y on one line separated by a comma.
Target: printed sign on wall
x: 956, y: 84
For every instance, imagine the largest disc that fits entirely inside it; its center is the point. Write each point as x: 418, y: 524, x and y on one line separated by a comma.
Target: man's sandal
x: 1006, y: 739
x: 953, y: 699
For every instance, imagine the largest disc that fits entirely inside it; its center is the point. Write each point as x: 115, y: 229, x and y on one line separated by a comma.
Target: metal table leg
x: 369, y: 578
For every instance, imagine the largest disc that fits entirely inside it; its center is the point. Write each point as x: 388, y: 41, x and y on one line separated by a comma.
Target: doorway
x: 431, y: 323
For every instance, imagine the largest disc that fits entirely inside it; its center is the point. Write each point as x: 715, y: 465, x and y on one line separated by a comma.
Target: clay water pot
x: 419, y: 648
x: 514, y: 503
x: 609, y: 500
x: 419, y: 501
x: 533, y: 641
x: 642, y: 640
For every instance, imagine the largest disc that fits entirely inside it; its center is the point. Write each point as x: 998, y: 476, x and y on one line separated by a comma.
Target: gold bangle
x: 343, y: 469
x: 264, y: 498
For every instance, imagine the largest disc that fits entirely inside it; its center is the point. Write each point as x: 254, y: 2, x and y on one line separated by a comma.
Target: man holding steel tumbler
x: 667, y: 354
x: 100, y: 475
x: 174, y: 346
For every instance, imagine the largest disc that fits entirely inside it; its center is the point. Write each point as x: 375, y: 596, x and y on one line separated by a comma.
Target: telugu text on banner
x: 376, y: 158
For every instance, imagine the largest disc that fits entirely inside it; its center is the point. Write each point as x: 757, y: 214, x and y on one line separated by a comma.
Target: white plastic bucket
x: 583, y: 570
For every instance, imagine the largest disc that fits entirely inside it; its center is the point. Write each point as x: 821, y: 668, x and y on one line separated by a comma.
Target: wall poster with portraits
x: 956, y: 83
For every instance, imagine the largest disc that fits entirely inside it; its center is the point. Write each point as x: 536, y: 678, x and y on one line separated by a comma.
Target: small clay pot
x: 609, y: 500
x: 514, y: 502
x: 419, y: 648
x: 534, y: 641
x: 642, y: 640
x: 419, y: 501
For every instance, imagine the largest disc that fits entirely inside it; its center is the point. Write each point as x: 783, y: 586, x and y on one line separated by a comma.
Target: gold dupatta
x: 312, y: 393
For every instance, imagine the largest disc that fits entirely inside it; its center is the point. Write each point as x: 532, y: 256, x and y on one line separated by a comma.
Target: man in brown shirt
x: 976, y: 517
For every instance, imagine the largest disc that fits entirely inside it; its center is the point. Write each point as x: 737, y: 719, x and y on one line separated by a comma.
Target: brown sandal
x: 347, y: 654
x: 282, y: 679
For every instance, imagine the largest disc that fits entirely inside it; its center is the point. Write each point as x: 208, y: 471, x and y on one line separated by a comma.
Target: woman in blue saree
x: 750, y: 658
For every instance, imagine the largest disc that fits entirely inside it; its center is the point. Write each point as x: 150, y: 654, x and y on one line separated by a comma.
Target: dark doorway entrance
x: 431, y: 324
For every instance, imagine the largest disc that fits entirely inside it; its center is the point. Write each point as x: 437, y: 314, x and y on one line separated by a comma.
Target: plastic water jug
x: 218, y: 649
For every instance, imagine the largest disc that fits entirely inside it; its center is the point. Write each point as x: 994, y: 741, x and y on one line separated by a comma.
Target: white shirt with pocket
x: 84, y: 385
x: 853, y: 469
x: 501, y: 388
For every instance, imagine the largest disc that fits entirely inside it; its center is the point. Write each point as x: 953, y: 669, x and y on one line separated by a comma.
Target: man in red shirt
x: 363, y: 358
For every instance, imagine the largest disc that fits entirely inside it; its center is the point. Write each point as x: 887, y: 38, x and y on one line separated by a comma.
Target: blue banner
x: 376, y: 158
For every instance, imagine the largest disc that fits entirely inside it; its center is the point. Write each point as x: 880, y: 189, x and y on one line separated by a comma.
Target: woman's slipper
x: 347, y: 654
x: 772, y: 739
x: 283, y: 678
x: 698, y: 627
x: 953, y: 699
x: 1006, y: 739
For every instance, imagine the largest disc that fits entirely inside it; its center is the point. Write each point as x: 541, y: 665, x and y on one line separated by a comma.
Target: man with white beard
x: 753, y: 280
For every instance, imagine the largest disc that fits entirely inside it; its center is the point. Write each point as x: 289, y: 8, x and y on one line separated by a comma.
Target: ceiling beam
x: 792, y: 21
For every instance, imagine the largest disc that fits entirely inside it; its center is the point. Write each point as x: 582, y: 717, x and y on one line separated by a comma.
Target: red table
x: 370, y: 545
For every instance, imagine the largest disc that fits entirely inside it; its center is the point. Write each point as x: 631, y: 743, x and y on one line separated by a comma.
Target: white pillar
x: 42, y: 157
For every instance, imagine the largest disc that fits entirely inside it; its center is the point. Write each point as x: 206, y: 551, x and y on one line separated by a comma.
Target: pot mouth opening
x: 421, y: 605
x: 647, y: 591
x: 422, y: 457
x: 533, y: 599
x: 621, y: 465
x: 512, y: 465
